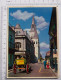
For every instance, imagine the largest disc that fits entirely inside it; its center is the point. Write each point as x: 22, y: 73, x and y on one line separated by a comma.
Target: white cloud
x: 39, y: 19
x: 21, y: 15
x: 43, y: 54
x: 44, y: 45
x: 41, y: 23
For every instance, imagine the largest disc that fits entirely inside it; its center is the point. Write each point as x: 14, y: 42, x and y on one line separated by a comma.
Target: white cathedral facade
x: 34, y: 37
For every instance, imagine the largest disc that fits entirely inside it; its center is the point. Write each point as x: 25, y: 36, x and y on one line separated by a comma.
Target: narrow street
x: 37, y: 71
x: 32, y: 39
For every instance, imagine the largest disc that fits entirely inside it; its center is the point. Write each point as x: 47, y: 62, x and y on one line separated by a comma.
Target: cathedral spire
x: 33, y: 29
x: 33, y: 22
x: 33, y: 26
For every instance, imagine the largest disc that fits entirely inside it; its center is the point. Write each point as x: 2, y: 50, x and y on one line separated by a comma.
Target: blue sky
x: 42, y: 15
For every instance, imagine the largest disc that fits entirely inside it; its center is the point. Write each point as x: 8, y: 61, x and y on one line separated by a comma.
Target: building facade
x: 47, y: 55
x: 53, y: 40
x: 26, y: 45
x: 11, y: 47
x: 34, y: 37
x: 23, y: 44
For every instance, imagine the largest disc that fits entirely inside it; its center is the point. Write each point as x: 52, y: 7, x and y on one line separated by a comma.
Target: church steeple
x: 33, y: 29
x: 33, y: 22
x: 34, y: 37
x: 33, y: 26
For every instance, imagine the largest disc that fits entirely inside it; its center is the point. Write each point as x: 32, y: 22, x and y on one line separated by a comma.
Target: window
x: 36, y: 42
x: 17, y: 32
x: 17, y: 45
x: 20, y: 45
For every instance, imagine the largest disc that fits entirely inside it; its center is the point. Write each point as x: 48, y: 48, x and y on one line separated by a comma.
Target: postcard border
x: 32, y: 6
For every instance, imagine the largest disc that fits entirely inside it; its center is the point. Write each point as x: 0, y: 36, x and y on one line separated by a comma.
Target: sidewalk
x: 53, y: 70
x: 10, y: 70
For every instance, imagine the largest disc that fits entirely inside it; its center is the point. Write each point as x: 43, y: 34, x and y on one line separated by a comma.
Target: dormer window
x: 17, y: 32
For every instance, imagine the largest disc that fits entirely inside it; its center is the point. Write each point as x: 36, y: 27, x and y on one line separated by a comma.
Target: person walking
x: 14, y: 67
x: 45, y: 64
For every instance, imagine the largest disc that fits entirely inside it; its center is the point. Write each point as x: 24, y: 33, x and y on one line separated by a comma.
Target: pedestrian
x: 45, y: 64
x: 14, y: 67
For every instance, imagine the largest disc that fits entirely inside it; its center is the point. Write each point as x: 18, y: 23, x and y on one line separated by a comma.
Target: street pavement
x: 37, y: 71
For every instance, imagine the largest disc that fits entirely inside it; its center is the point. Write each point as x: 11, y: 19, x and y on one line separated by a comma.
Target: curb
x: 10, y: 70
x: 53, y: 71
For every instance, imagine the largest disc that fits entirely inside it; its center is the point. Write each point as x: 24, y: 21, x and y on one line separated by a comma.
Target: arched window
x: 17, y: 45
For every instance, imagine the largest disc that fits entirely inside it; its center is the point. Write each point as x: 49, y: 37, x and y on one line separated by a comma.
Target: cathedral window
x: 36, y: 42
